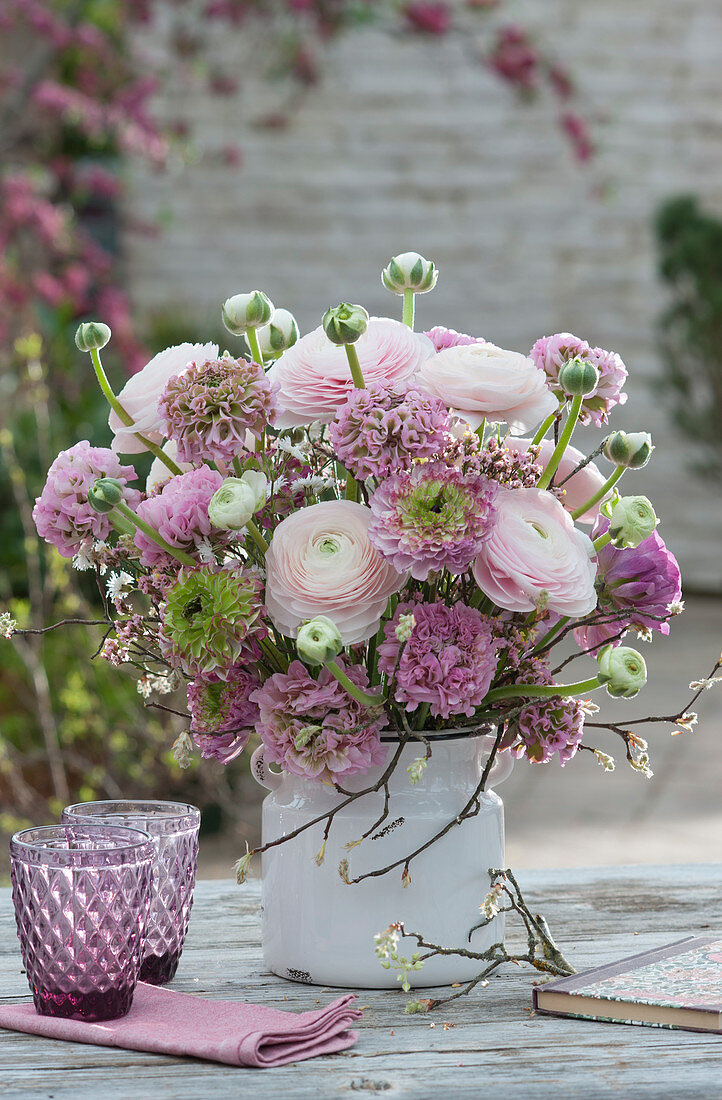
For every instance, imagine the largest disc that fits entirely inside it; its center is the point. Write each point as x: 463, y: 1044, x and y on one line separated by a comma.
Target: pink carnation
x: 443, y: 338
x: 314, y: 728
x: 380, y: 430
x: 550, y: 353
x: 448, y: 661
x: 222, y: 713
x: 179, y: 513
x: 580, y: 486
x: 62, y: 514
x: 314, y: 376
x: 546, y: 727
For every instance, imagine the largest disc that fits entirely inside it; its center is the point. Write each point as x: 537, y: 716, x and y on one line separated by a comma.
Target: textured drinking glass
x: 174, y: 829
x: 82, y: 897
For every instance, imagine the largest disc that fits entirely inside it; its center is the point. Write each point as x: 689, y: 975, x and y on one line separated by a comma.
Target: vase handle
x: 502, y: 767
x: 262, y: 773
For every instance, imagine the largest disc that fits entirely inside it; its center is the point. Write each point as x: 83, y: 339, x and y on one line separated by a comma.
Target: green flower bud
x: 236, y: 501
x: 578, y: 377
x: 345, y: 323
x: 244, y: 311
x: 629, y: 449
x: 622, y: 671
x: 631, y: 521
x: 105, y: 494
x: 281, y: 334
x: 318, y: 641
x: 91, y: 335
x: 410, y: 271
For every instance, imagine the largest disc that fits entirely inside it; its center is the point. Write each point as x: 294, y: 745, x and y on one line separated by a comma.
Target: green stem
x: 257, y: 536
x: 602, y: 541
x: 358, y: 693
x: 611, y: 480
x: 544, y: 428
x: 409, y: 308
x: 271, y: 650
x: 541, y: 691
x: 352, y: 356
x: 255, y: 347
x: 126, y: 418
x: 566, y: 435
x: 422, y: 715
x: 351, y: 487
x: 130, y: 515
x: 551, y: 633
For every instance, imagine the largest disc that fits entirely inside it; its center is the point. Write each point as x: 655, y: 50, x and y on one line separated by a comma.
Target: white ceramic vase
x: 319, y: 930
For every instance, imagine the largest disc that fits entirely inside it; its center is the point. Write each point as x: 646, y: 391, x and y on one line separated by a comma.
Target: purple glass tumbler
x: 173, y: 827
x: 82, y: 897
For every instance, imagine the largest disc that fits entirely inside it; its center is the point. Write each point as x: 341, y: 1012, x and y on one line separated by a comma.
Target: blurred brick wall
x: 411, y: 144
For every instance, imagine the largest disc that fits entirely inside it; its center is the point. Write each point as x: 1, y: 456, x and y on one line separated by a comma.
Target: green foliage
x: 690, y: 264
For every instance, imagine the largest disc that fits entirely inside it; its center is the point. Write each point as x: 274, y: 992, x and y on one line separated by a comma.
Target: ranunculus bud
x: 345, y: 323
x: 578, y: 377
x: 91, y: 336
x: 237, y: 499
x: 105, y: 494
x: 244, y: 311
x: 318, y: 640
x: 629, y: 449
x: 280, y: 335
x: 622, y: 670
x: 631, y: 521
x: 410, y: 271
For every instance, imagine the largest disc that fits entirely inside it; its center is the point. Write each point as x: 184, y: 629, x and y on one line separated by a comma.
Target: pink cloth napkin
x: 167, y: 1022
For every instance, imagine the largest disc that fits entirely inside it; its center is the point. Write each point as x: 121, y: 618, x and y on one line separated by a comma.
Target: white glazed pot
x: 319, y: 930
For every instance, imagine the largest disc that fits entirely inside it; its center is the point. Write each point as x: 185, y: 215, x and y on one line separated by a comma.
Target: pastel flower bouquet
x: 353, y: 540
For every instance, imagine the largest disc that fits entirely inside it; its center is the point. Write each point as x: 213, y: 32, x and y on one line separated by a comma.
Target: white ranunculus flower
x: 238, y: 498
x: 484, y: 382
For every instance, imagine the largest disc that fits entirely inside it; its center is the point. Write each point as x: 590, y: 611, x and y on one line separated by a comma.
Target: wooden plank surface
x: 491, y: 1045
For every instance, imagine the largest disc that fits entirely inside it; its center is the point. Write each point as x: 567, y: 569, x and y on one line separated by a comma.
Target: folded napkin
x: 167, y: 1022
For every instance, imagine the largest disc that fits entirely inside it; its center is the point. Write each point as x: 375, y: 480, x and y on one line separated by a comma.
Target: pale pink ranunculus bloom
x: 580, y: 487
x: 140, y: 394
x: 314, y: 376
x: 321, y: 562
x: 484, y: 382
x: 535, y: 549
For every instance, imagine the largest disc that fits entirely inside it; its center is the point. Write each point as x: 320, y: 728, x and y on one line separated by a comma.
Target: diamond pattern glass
x: 173, y: 827
x: 82, y: 897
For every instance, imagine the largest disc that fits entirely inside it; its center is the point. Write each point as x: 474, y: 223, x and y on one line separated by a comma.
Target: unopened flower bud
x: 318, y: 641
x: 622, y: 671
x: 409, y: 271
x: 236, y: 501
x: 91, y: 335
x: 631, y: 521
x: 279, y: 335
x: 578, y: 377
x: 629, y: 449
x: 105, y: 494
x: 345, y: 323
x: 244, y: 311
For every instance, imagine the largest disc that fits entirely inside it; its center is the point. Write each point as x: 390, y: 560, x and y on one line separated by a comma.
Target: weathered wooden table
x: 488, y: 1044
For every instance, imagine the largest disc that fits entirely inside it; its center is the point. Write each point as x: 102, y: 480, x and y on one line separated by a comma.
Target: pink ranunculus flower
x: 140, y: 394
x: 484, y: 382
x: 580, y: 487
x: 314, y: 376
x: 321, y: 562
x: 536, y: 555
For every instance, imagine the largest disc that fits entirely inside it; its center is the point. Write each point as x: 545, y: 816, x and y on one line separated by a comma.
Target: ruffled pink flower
x: 314, y: 376
x: 141, y: 393
x: 179, y: 513
x: 550, y: 353
x: 209, y: 409
x: 484, y: 382
x: 536, y: 557
x: 321, y: 562
x: 448, y: 661
x: 580, y: 487
x: 443, y: 338
x: 381, y: 430
x: 314, y: 728
x: 222, y: 713
x: 545, y: 728
x: 62, y: 514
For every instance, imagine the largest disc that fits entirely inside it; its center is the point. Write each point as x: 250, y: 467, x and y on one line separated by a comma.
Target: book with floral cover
x: 677, y: 986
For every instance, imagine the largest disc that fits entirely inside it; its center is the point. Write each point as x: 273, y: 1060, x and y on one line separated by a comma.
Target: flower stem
x: 566, y: 435
x: 130, y: 515
x: 351, y: 487
x: 611, y: 480
x: 125, y: 417
x: 551, y: 633
x: 540, y: 691
x: 255, y: 347
x: 358, y: 693
x: 409, y: 308
x: 602, y: 541
x: 352, y: 356
x: 544, y: 428
x: 257, y: 536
